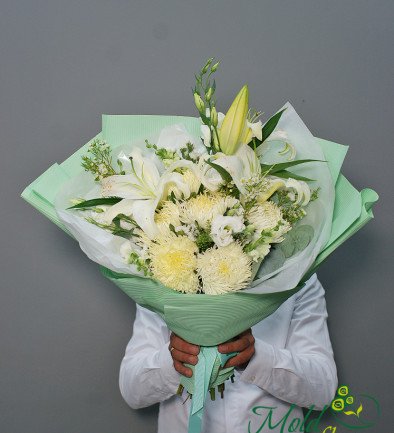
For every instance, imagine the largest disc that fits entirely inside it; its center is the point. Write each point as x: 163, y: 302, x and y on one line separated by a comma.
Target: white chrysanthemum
x: 168, y: 214
x: 225, y: 269
x: 267, y: 216
x: 192, y: 181
x: 173, y: 262
x: 201, y: 209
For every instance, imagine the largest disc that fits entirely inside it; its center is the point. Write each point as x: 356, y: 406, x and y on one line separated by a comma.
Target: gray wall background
x: 63, y: 327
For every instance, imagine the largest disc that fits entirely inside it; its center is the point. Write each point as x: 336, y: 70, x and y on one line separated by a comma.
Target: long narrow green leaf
x: 287, y: 174
x: 270, y: 125
x: 273, y: 168
x: 108, y: 201
x: 226, y: 176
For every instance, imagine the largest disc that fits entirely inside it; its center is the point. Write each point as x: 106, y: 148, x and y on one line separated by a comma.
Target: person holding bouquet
x: 285, y: 362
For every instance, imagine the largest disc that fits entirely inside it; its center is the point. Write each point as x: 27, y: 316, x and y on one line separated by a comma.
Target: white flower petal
x: 144, y: 215
x: 257, y: 129
x: 123, y: 207
x: 206, y: 135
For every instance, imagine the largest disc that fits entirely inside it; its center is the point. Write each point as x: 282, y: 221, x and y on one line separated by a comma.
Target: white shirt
x: 293, y: 363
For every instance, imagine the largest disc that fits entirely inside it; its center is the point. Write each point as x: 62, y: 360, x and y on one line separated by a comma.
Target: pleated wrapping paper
x: 203, y: 319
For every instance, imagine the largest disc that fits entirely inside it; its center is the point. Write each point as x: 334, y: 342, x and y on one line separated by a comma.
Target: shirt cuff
x: 170, y: 376
x: 260, y: 366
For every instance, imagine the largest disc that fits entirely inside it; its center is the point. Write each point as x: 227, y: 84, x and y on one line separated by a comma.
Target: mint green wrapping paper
x: 203, y: 319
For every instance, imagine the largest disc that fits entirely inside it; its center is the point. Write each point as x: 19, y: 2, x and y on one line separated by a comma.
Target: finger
x: 182, y: 345
x: 241, y: 358
x: 180, y: 368
x: 248, y: 334
x: 177, y: 355
x: 234, y: 346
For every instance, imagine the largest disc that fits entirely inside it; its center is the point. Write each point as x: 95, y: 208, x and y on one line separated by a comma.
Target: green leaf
x: 275, y: 259
x: 287, y: 174
x: 302, y: 236
x: 273, y: 168
x: 360, y: 408
x: 349, y: 412
x: 270, y: 125
x: 296, y: 240
x: 226, y: 176
x: 107, y: 201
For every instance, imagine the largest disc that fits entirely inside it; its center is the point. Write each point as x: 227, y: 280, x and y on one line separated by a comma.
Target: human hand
x: 181, y: 352
x: 244, y: 344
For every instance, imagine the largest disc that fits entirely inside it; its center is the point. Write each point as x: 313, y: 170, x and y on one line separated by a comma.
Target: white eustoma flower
x: 206, y: 135
x: 141, y: 191
x: 223, y: 227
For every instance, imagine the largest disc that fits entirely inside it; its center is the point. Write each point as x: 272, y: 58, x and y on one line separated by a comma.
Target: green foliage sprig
x: 99, y: 160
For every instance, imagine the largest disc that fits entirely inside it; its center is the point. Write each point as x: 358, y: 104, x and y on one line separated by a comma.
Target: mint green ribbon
x: 207, y: 373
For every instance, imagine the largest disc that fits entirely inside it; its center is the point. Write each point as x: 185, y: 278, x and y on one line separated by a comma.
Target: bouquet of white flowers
x: 176, y: 210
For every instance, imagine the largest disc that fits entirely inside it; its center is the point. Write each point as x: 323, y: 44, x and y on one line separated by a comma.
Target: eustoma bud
x: 214, y: 67
x: 208, y: 95
x: 199, y: 103
x: 214, y: 117
x: 205, y: 68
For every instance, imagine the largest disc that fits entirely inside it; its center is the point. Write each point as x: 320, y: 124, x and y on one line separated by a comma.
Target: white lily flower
x: 243, y: 165
x: 142, y: 190
x: 301, y: 189
x: 256, y: 129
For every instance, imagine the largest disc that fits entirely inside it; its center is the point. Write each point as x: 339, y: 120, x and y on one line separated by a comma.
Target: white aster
x: 267, y: 216
x: 200, y: 209
x: 225, y: 269
x: 173, y: 262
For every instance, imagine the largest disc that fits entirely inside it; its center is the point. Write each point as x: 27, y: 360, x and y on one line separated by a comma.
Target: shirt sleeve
x: 304, y: 371
x: 147, y: 375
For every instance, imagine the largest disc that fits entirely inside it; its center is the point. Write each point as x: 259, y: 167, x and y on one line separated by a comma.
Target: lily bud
x: 233, y: 124
x: 208, y: 95
x: 199, y: 103
x: 214, y: 116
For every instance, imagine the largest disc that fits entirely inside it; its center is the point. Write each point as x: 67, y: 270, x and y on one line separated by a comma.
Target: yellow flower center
x: 224, y: 268
x: 175, y: 260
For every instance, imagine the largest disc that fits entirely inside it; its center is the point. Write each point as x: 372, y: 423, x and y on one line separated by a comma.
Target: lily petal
x: 144, y: 215
x: 123, y: 207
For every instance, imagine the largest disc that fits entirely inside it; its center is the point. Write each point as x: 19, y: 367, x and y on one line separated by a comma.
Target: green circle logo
x: 338, y: 404
x: 343, y: 391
